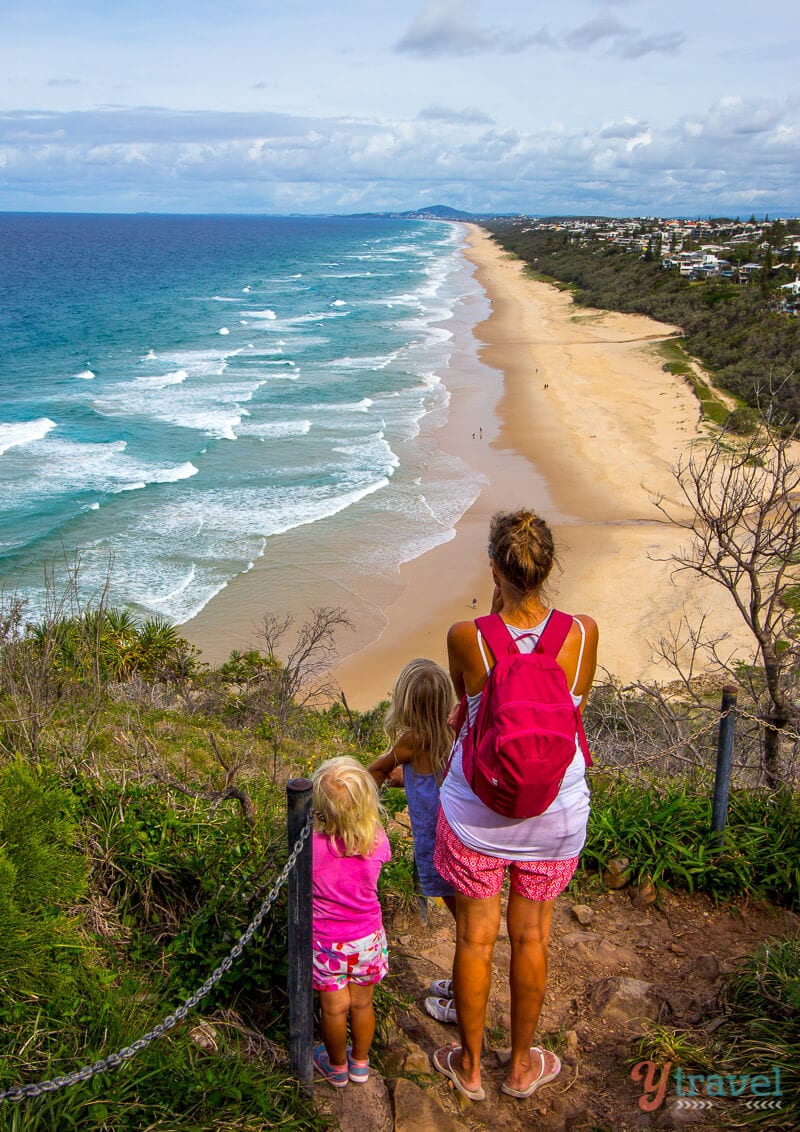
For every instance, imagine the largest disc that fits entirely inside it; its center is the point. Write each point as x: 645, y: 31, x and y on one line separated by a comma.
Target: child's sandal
x: 335, y: 1075
x: 442, y: 1009
x: 442, y: 988
x: 357, y: 1071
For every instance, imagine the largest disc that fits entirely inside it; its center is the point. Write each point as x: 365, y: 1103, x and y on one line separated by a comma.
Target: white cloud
x: 157, y: 159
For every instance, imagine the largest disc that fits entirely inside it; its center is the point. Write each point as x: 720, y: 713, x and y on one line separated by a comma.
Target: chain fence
x: 631, y: 744
x: 113, y: 1060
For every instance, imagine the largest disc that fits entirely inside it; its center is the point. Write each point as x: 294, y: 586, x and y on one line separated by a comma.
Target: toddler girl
x: 350, y: 953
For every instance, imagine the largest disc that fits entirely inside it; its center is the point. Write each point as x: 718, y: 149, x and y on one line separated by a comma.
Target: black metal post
x: 301, y: 1017
x: 722, y: 777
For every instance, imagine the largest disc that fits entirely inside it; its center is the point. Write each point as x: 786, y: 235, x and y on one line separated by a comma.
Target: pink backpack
x: 516, y: 753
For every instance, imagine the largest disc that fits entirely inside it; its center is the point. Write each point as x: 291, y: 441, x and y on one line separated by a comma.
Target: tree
x: 743, y: 500
x: 285, y: 686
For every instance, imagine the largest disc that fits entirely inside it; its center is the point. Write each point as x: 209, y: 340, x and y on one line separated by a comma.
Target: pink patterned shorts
x: 475, y: 875
x: 361, y: 961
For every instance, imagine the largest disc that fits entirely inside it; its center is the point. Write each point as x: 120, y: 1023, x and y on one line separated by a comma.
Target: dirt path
x: 609, y: 962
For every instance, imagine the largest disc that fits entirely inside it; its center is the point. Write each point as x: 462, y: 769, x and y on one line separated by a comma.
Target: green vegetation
x: 664, y: 829
x: 750, y: 348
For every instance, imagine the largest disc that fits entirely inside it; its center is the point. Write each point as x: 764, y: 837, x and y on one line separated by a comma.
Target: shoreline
x: 572, y: 415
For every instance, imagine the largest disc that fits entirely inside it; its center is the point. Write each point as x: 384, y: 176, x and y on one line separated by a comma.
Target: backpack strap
x: 554, y: 633
x: 495, y: 632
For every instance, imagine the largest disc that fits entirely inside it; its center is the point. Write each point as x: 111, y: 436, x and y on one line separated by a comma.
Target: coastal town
x: 762, y: 252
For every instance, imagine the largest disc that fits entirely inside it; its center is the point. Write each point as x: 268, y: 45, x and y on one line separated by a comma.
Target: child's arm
x: 402, y: 752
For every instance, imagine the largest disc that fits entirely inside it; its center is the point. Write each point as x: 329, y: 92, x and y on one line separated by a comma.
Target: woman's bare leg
x: 529, y: 934
x: 477, y: 925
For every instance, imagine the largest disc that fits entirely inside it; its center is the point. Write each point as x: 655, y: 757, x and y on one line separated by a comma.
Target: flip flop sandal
x: 542, y: 1079
x: 335, y: 1075
x: 442, y: 1009
x: 442, y: 988
x: 442, y: 1061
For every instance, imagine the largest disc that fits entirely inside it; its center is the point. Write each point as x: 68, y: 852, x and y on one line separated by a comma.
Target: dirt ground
x: 672, y: 956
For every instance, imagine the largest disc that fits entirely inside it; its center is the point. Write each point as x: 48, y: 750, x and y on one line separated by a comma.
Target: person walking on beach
x: 417, y: 723
x: 349, y: 943
x: 476, y: 846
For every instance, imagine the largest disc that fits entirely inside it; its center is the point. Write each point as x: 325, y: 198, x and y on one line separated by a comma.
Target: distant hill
x: 435, y: 212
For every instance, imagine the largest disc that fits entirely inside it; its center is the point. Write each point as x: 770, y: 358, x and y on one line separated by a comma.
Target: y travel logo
x: 700, y: 1091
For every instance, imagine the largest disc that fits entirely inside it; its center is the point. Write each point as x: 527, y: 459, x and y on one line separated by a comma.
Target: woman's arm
x: 578, y: 656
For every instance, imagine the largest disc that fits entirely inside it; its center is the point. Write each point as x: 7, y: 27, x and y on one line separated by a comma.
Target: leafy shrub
x: 665, y: 831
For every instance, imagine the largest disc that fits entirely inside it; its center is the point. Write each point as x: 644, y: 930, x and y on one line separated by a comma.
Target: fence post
x: 722, y: 777
x: 298, y: 807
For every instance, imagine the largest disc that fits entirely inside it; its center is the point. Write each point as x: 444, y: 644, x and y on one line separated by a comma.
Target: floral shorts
x: 362, y: 961
x: 476, y: 875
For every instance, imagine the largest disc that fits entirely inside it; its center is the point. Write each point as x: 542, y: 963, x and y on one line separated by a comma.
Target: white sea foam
x: 276, y: 429
x: 371, y: 363
x: 86, y: 375
x: 269, y: 315
x: 18, y: 434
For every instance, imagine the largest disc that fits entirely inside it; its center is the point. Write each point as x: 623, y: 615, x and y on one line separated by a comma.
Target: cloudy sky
x: 621, y: 107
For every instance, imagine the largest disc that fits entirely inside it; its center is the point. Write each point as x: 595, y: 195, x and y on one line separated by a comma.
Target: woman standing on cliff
x: 475, y: 846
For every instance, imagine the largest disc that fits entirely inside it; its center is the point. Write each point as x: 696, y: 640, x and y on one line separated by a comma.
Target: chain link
x: 24, y: 1092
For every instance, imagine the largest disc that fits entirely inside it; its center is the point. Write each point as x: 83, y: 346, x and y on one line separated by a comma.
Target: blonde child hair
x: 345, y: 799
x: 422, y: 699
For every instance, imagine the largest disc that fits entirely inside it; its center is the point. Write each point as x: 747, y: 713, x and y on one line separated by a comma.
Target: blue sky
x: 621, y: 107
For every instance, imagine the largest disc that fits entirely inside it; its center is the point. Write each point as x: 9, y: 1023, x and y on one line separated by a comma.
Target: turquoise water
x: 178, y: 390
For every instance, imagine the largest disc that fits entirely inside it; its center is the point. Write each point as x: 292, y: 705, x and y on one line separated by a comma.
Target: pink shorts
x: 361, y: 961
x: 475, y: 875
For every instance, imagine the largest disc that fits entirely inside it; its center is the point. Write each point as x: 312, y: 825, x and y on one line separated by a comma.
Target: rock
x: 678, y: 949
x: 204, y: 1035
x: 617, y: 872
x: 706, y: 967
x: 417, y: 1110
x: 440, y: 954
x: 680, y: 1002
x: 582, y: 913
x: 678, y: 1115
x: 571, y: 1041
x: 625, y: 1002
x: 403, y: 819
x: 416, y: 1059
x: 365, y: 1106
x: 503, y: 1057
x: 644, y: 894
x: 592, y: 948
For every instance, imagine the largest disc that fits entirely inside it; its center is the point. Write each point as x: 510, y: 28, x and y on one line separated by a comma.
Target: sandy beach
x: 573, y: 416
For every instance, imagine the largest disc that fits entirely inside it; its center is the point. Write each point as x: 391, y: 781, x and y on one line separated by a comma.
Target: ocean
x: 178, y: 391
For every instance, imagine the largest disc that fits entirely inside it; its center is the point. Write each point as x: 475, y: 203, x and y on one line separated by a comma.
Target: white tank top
x: 555, y: 835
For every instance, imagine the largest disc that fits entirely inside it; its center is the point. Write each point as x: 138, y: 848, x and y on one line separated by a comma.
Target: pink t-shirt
x: 346, y: 905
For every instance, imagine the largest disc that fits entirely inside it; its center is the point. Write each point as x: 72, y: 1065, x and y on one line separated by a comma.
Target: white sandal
x: 442, y: 988
x: 442, y: 1009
